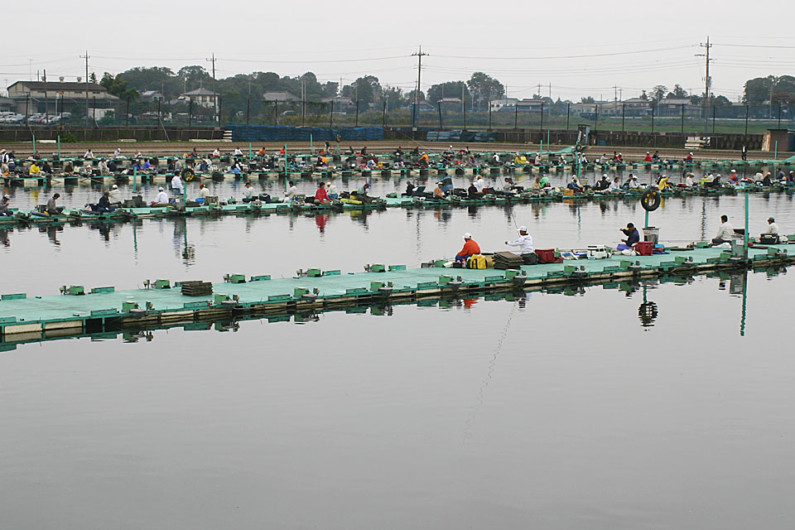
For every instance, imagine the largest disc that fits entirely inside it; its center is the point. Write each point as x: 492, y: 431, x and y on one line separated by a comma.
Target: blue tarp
x: 260, y: 133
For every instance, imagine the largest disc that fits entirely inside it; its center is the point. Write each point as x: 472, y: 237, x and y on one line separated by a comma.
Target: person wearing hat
x: 602, y: 184
x: 115, y: 194
x: 5, y: 210
x: 633, y: 236
x: 470, y: 248
x: 438, y: 191
x: 361, y: 193
x: 772, y: 227
x: 648, y: 157
x: 767, y: 180
x: 162, y: 196
x: 633, y: 182
x: 574, y: 184
x: 525, y: 244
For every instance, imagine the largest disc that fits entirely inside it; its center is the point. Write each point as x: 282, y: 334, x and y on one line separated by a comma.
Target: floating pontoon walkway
x: 79, y: 311
x: 26, y: 218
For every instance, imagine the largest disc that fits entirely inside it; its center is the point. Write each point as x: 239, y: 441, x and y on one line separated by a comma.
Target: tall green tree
x: 761, y: 89
x: 484, y: 88
x: 449, y: 89
x: 658, y: 93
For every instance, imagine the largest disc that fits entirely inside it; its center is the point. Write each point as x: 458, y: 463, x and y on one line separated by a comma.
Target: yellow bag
x: 476, y: 261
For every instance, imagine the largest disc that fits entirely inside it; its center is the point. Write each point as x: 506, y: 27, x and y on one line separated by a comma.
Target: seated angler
x: 633, y: 236
x: 104, y: 204
x: 321, y: 195
x: 470, y: 248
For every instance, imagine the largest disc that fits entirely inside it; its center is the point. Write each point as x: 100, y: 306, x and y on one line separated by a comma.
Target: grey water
x: 550, y: 411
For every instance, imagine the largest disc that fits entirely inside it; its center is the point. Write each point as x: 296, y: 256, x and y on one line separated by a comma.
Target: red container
x: 546, y: 255
x: 644, y: 248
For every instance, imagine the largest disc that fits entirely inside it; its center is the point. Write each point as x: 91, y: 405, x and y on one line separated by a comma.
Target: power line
x: 579, y: 56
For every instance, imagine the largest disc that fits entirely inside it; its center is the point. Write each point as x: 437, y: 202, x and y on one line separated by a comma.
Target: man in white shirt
x: 725, y: 232
x: 115, y: 194
x: 479, y: 184
x: 248, y: 193
x: 291, y: 191
x: 525, y: 244
x: 162, y: 196
x: 176, y: 184
x: 772, y: 227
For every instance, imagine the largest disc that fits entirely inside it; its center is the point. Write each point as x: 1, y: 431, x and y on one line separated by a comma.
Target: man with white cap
x: 470, y: 248
x: 5, y: 210
x: 162, y: 196
x: 525, y: 244
x: 115, y: 194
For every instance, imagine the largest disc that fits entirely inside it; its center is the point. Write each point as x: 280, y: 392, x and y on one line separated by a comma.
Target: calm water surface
x: 552, y: 411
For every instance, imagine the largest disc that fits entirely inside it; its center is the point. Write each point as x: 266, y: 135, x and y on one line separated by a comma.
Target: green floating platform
x: 162, y: 303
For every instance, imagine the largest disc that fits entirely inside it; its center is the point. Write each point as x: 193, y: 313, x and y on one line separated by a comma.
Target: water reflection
x: 4, y: 237
x: 52, y: 233
x: 182, y: 248
x: 321, y: 220
x: 648, y: 311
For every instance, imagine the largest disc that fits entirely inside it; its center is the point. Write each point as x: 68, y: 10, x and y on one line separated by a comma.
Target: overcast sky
x: 603, y: 49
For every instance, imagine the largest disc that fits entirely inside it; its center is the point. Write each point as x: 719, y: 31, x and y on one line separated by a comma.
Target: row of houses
x: 634, y: 107
x: 40, y: 97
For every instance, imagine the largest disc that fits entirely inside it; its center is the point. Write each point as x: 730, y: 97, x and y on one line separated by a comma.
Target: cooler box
x: 644, y: 248
x: 546, y: 255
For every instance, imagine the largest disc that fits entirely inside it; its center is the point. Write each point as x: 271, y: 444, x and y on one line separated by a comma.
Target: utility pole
x: 215, y: 93
x: 419, y: 55
x: 47, y: 115
x: 86, y: 58
x: 707, y: 84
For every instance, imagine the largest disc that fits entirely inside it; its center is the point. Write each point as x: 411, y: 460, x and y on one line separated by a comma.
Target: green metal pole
x: 745, y: 235
x: 541, y: 147
x: 59, y: 146
x: 135, y: 179
x: 34, y: 144
x: 647, y: 219
x: 547, y: 138
x: 311, y: 144
x: 249, y: 150
x: 285, y: 166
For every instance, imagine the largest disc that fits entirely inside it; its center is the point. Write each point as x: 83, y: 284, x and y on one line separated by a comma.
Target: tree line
x: 241, y: 94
